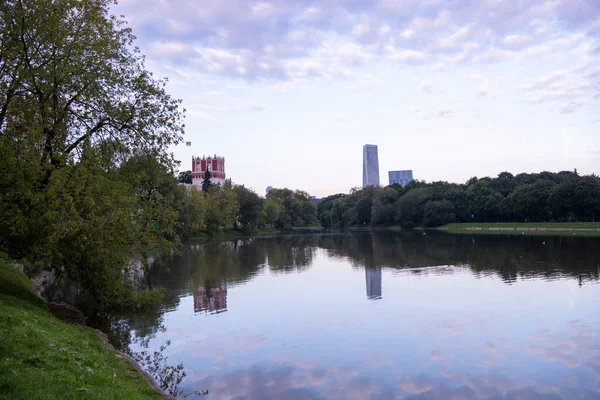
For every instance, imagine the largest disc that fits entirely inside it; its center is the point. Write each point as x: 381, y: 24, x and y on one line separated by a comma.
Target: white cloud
x: 427, y: 87
x: 407, y: 56
x: 276, y: 40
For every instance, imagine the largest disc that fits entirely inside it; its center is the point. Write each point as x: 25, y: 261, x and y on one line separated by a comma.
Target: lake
x: 410, y: 315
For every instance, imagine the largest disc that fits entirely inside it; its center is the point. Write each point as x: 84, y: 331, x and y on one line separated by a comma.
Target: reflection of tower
x: 373, y: 282
x: 211, y: 299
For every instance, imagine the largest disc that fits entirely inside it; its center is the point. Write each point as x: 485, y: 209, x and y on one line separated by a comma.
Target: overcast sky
x: 289, y: 91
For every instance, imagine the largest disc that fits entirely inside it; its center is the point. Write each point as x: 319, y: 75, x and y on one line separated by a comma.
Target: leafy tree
x: 529, y: 202
x: 438, y: 213
x: 484, y: 203
x: 411, y: 207
x: 185, y: 177
x: 76, y: 103
x: 221, y: 207
x: 546, y: 196
x: 271, y: 210
x: 206, y: 183
x: 360, y: 214
x: 296, y: 208
x: 89, y: 87
x: 504, y: 184
x: 326, y: 204
x: 587, y: 195
x: 326, y: 219
x: 250, y: 211
x: 383, y: 209
x: 192, y: 211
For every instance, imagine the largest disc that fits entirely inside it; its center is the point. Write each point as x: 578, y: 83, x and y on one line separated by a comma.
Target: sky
x: 289, y: 91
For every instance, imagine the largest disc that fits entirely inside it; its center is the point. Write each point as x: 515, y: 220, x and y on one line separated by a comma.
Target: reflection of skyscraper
x: 370, y: 165
x: 373, y: 282
x: 211, y: 299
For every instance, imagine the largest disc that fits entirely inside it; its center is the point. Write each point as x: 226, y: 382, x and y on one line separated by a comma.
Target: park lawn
x: 42, y: 357
x: 565, y: 225
x: 525, y: 233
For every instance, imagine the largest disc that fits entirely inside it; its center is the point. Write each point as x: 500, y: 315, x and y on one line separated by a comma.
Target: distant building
x: 373, y: 283
x: 402, y: 178
x: 215, y: 165
x: 370, y: 165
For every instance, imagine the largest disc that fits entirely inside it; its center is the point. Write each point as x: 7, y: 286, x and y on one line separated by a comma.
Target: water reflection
x: 464, y: 317
x: 373, y: 283
x: 211, y: 300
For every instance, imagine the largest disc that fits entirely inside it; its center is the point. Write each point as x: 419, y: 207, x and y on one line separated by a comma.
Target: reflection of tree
x: 137, y: 327
x: 208, y: 269
x: 291, y: 253
x: 157, y: 365
x: 507, y: 256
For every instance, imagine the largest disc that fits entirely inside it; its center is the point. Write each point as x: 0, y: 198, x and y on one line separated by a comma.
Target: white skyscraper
x: 370, y: 165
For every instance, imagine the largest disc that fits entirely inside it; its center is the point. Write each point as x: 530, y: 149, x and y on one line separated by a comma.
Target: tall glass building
x: 370, y: 165
x: 400, y: 177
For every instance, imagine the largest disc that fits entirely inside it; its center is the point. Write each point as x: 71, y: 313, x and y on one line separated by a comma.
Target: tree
x: 71, y: 75
x: 249, y: 214
x: 438, y: 213
x: 484, y: 203
x: 296, y: 208
x: 77, y: 111
x: 529, y: 202
x: 192, y: 211
x: 271, y: 210
x: 504, y: 183
x: 185, y: 177
x: 411, y: 207
x: 221, y: 207
x: 206, y: 183
x: 383, y: 209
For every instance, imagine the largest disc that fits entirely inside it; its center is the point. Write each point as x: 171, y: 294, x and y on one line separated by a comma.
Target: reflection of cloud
x: 302, y: 379
x: 450, y: 327
x: 491, y: 347
x: 436, y: 355
x: 418, y: 385
x: 581, y: 348
x: 249, y: 343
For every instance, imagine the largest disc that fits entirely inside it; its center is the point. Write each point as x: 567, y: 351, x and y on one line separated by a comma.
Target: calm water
x: 377, y: 316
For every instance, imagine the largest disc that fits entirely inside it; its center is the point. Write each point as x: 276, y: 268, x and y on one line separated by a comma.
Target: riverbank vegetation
x: 88, y: 185
x: 45, y: 358
x: 541, y: 197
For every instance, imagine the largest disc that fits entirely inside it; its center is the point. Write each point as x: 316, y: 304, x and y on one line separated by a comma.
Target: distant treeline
x: 230, y: 206
x: 543, y: 197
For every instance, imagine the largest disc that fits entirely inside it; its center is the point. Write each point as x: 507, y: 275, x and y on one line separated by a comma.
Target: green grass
x: 488, y: 228
x: 525, y: 233
x: 565, y: 225
x: 42, y: 357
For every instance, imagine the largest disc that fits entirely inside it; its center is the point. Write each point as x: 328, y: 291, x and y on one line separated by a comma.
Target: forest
x: 538, y: 197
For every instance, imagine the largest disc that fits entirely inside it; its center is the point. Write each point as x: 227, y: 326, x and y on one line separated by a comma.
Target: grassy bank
x: 559, y: 225
x: 42, y: 357
x: 528, y: 228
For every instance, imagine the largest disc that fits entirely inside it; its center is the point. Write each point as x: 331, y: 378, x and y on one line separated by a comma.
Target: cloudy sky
x: 289, y: 91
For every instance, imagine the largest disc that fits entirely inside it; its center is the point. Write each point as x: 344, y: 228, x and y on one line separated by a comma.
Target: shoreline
x: 531, y: 228
x: 54, y: 323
